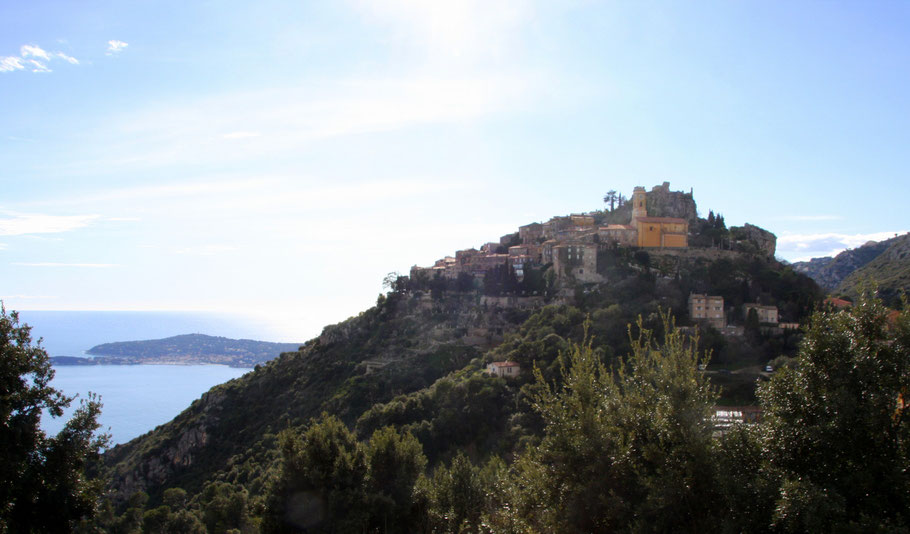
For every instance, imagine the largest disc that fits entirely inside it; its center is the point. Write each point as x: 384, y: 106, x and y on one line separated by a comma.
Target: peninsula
x: 184, y: 349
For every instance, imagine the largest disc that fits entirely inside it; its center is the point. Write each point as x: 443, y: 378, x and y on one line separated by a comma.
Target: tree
x: 320, y: 487
x: 394, y: 462
x: 628, y: 449
x: 456, y: 495
x: 836, y: 428
x: 610, y: 199
x: 43, y: 481
x: 329, y: 482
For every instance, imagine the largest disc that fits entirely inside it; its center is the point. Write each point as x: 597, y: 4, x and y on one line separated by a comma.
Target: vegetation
x: 188, y: 348
x: 593, y: 441
x: 44, y: 480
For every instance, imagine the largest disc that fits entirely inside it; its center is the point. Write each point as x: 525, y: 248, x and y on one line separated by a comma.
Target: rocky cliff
x: 665, y: 203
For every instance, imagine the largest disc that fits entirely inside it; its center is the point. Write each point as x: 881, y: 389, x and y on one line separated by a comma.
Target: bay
x: 136, y: 398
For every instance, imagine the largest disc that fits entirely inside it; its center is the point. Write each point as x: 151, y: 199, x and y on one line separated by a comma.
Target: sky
x: 279, y: 158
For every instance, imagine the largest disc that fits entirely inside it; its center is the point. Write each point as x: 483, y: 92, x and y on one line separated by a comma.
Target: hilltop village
x: 570, y: 243
x: 657, y: 223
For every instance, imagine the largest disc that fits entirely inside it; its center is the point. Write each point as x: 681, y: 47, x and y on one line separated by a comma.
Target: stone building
x: 530, y: 233
x: 623, y: 234
x: 582, y: 220
x: 707, y: 308
x: 578, y: 260
x: 766, y: 314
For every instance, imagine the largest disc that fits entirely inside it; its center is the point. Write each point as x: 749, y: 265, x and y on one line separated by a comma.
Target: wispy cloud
x: 37, y: 223
x: 241, y: 135
x: 115, y: 47
x: 205, y: 250
x: 33, y: 57
x: 34, y: 51
x: 279, y: 120
x: 79, y: 265
x: 809, y: 218
x: 11, y: 63
x: 38, y: 66
x: 802, y: 247
x: 70, y: 59
x: 468, y: 30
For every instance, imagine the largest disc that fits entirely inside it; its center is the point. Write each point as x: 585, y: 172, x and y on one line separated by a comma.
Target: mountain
x: 830, y: 272
x: 416, y: 361
x: 184, y: 349
x: 890, y: 270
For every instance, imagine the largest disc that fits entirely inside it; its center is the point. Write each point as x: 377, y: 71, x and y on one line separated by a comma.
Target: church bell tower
x: 639, y: 204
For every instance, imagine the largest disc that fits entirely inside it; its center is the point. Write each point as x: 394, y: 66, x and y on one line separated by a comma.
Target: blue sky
x: 279, y: 158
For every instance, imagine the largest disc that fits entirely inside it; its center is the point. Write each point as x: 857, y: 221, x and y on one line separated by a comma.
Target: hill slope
x: 416, y: 361
x: 890, y: 270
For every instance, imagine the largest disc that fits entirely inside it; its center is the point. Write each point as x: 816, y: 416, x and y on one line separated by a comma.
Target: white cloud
x: 35, y: 57
x: 10, y: 63
x: 115, y: 47
x: 36, y: 223
x: 2, y: 246
x: 802, y: 247
x: 34, y: 51
x: 38, y: 66
x: 79, y: 265
x: 70, y: 59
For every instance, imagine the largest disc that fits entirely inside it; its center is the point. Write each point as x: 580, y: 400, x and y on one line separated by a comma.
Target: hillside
x: 890, y: 270
x: 416, y: 360
x: 830, y: 272
x: 187, y: 349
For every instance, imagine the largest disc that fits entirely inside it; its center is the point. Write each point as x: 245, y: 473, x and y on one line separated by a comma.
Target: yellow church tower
x: 639, y: 205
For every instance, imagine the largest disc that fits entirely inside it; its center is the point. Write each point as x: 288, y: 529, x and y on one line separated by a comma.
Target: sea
x: 136, y: 398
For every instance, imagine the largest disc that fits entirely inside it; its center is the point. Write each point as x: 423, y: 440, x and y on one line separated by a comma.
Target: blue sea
x: 136, y: 398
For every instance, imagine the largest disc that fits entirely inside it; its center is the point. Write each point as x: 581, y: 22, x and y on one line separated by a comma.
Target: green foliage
x: 629, y: 449
x: 329, y: 482
x: 836, y: 435
x: 456, y: 496
x: 43, y: 481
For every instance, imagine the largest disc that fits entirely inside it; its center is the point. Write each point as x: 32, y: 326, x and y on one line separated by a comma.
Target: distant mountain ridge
x: 886, y: 262
x: 890, y: 270
x: 829, y: 272
x: 183, y: 349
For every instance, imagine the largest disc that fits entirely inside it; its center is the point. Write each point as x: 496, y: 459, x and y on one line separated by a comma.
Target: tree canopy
x: 43, y: 481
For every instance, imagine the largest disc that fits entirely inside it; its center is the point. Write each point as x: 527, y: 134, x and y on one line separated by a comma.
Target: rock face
x: 763, y: 239
x: 174, y: 454
x: 830, y: 272
x: 665, y: 203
